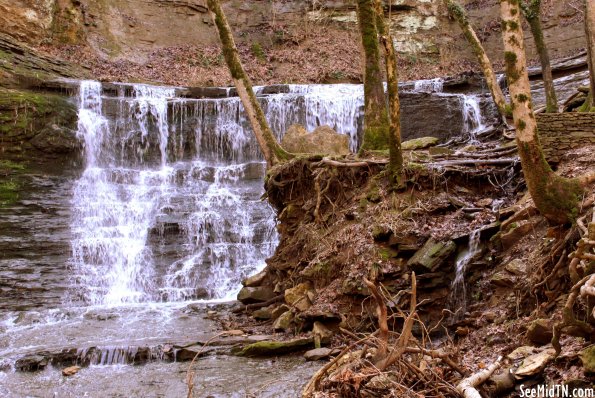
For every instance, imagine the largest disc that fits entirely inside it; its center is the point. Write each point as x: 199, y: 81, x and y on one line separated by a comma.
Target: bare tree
x: 531, y: 12
x: 460, y: 15
x: 376, y: 123
x: 395, y: 165
x: 272, y: 151
x: 557, y: 198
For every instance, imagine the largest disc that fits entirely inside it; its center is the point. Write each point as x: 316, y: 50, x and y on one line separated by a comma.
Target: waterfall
x: 472, y: 117
x: 458, y: 292
x: 168, y: 206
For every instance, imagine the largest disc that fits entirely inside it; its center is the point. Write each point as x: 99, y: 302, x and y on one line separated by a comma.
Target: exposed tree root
x: 468, y: 386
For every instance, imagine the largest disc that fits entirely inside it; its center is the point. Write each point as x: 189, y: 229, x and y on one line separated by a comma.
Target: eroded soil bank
x: 478, y: 247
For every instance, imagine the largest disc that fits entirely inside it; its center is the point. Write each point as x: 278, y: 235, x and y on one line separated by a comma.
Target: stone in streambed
x: 250, y: 295
x: 70, y: 371
x: 274, y: 348
x: 31, y: 363
x: 318, y: 354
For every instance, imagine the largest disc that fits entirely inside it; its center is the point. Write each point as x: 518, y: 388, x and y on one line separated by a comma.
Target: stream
x: 113, y: 259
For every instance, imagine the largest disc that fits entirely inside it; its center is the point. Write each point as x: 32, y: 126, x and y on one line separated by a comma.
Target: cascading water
x: 473, y: 120
x: 458, y: 292
x: 156, y: 221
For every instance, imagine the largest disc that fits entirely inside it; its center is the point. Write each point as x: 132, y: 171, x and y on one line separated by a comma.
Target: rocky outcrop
x: 322, y: 140
x: 36, y: 123
x: 22, y: 66
x: 560, y: 132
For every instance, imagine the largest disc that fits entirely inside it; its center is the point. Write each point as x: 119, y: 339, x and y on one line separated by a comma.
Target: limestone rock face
x: 36, y: 122
x: 322, y: 140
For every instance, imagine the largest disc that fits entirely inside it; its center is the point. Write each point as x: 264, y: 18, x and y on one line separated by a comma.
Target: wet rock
x: 322, y: 140
x: 189, y: 353
x: 300, y: 296
x: 273, y: 347
x: 255, y: 280
x: 588, y: 359
x: 540, y: 331
x: 534, y: 364
x: 431, y: 255
x: 284, y: 322
x: 317, y: 354
x: 419, y: 143
x: 70, y: 371
x: 250, y: 295
x: 31, y: 363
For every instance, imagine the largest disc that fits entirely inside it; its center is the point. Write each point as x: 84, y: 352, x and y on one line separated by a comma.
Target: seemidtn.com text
x: 557, y: 391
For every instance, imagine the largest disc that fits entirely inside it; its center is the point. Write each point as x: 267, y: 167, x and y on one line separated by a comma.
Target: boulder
x: 318, y: 354
x: 255, y: 280
x: 322, y: 140
x: 534, y: 364
x: 284, y: 322
x: 249, y: 295
x: 262, y: 314
x: 540, y: 331
x: 300, y: 296
x: 274, y: 347
x: 588, y: 358
x: 419, y: 143
x: 279, y: 310
x: 31, y: 363
x: 431, y: 255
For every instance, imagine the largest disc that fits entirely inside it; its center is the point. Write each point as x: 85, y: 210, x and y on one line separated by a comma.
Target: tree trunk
x: 272, y: 151
x: 590, y: 33
x: 395, y: 165
x: 555, y: 197
x: 531, y: 12
x: 458, y: 13
x: 376, y: 124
